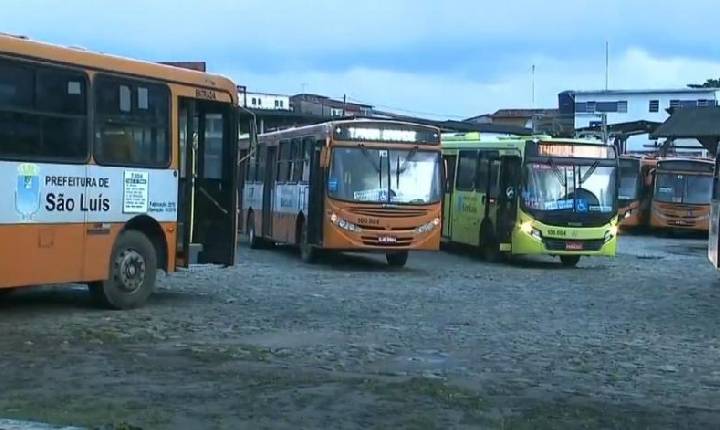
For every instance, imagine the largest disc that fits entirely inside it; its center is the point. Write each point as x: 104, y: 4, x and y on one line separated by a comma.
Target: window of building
x: 259, y: 102
x: 131, y: 122
x: 253, y: 101
x: 580, y: 107
x: 277, y: 103
x: 467, y: 170
x: 590, y: 107
x: 654, y: 106
x: 43, y: 113
x: 282, y: 103
x: 706, y: 103
x: 622, y: 106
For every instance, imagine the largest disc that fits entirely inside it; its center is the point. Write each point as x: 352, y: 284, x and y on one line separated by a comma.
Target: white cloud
x: 448, y: 95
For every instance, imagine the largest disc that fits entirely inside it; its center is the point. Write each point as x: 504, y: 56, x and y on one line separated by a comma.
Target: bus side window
x: 43, y: 113
x: 307, y: 157
x: 296, y: 157
x: 261, y: 156
x: 481, y: 183
x: 467, y: 170
x: 131, y: 122
x: 212, y: 157
x: 450, y: 162
x: 283, y: 162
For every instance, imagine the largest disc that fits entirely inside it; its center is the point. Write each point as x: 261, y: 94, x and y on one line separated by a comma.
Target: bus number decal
x: 368, y: 221
x: 557, y: 233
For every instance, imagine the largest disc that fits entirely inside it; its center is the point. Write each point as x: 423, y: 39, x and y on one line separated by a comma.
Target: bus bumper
x: 535, y: 238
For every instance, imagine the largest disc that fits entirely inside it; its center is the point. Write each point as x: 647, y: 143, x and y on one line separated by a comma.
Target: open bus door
x: 316, y: 195
x: 207, y: 219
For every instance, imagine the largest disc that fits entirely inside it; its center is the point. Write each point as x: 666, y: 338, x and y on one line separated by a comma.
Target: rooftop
x: 647, y: 91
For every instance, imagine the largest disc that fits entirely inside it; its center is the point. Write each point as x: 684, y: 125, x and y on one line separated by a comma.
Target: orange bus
x: 351, y: 185
x: 105, y: 187
x: 682, y: 193
x: 635, y: 191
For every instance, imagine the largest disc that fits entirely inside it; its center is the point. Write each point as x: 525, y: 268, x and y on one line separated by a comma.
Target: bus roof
x: 699, y: 160
x: 329, y: 125
x: 79, y: 57
x: 457, y: 140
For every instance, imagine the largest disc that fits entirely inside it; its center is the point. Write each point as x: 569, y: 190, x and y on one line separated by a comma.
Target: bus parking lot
x: 448, y: 341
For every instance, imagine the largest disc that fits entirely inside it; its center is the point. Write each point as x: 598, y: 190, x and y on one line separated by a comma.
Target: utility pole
x: 532, y: 85
x: 344, y: 102
x: 607, y: 65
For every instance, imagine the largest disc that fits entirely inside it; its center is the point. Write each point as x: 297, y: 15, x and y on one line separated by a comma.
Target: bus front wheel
x: 569, y: 260
x: 133, y: 268
x: 397, y: 259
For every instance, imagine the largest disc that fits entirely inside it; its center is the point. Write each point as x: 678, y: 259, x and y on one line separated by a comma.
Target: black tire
x: 397, y: 259
x: 569, y: 260
x: 133, y: 270
x: 308, y: 253
x: 252, y: 237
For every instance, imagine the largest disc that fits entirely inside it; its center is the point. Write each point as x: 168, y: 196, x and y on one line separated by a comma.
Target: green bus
x: 530, y: 196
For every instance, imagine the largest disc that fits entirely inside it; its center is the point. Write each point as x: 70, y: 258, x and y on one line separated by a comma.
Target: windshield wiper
x: 378, y: 169
x: 558, y: 173
x: 589, y: 172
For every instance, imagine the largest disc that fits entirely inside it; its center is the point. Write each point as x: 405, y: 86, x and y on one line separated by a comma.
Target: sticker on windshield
x: 559, y: 205
x: 600, y: 208
x: 332, y: 184
x: 383, y: 153
x: 581, y: 206
x: 376, y: 194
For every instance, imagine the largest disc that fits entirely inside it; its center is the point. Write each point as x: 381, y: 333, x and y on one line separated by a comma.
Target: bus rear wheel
x: 133, y: 269
x: 397, y: 259
x: 569, y: 260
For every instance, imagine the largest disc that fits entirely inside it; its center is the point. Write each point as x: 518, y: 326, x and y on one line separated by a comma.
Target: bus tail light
x: 428, y: 227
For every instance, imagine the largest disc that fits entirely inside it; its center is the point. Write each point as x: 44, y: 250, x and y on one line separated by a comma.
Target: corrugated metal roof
x: 646, y: 91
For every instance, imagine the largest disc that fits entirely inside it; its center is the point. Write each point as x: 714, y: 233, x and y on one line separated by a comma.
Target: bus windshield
x: 629, y: 187
x: 682, y: 188
x: 376, y: 175
x: 569, y: 188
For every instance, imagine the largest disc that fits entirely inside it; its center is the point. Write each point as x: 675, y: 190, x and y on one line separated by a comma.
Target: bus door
x: 449, y: 161
x: 207, y: 216
x: 510, y: 174
x: 316, y: 194
x: 269, y: 191
x: 487, y: 188
x: 466, y: 208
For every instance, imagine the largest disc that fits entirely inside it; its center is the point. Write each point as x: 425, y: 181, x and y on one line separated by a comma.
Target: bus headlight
x: 428, y: 227
x: 528, y: 229
x: 344, y: 224
x: 611, y: 233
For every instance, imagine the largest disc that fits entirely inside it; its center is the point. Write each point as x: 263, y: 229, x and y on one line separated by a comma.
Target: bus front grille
x: 388, y: 213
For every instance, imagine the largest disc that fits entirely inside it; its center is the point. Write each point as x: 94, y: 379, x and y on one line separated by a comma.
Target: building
x: 265, y: 101
x: 317, y: 105
x: 538, y: 120
x: 589, y: 108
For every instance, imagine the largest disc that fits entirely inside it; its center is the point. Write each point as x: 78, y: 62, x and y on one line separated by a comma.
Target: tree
x: 710, y: 83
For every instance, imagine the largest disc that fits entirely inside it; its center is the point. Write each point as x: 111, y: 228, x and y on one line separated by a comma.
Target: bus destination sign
x: 391, y: 133
x: 575, y: 150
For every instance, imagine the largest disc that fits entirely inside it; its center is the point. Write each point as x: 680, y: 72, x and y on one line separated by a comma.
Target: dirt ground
x: 448, y: 342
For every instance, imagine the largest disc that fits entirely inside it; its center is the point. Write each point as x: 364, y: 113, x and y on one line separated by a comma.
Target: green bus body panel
x: 464, y: 211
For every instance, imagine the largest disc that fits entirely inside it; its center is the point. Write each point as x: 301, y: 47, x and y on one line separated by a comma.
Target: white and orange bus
x: 112, y: 169
x: 350, y: 185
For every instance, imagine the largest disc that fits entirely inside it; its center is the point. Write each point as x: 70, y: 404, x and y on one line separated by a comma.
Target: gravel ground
x: 447, y: 342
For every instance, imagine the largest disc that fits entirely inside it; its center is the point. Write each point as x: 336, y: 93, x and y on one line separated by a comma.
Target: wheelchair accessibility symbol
x: 581, y: 206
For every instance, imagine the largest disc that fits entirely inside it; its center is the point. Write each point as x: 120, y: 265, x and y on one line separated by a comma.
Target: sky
x: 441, y: 59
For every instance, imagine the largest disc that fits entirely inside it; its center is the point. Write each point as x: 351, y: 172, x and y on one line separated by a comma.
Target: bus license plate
x: 387, y: 239
x: 573, y: 246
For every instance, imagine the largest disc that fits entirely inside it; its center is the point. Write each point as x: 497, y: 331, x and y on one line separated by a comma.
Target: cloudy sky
x: 446, y: 59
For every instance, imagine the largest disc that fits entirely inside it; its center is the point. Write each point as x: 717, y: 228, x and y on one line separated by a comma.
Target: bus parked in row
x: 113, y: 168
x: 635, y: 190
x: 540, y: 196
x: 352, y: 185
x: 681, y: 194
